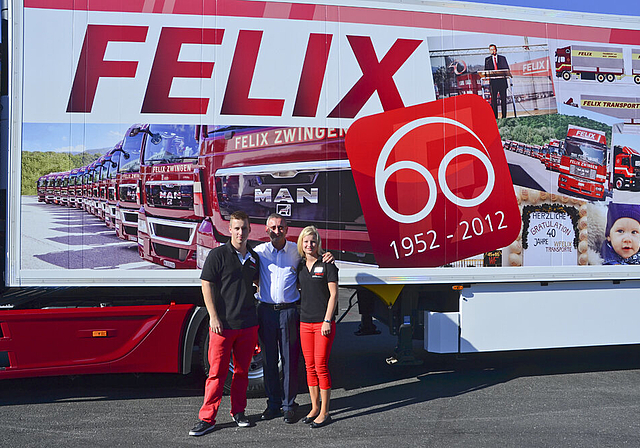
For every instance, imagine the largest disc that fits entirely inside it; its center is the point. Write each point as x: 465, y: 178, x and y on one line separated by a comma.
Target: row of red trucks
x: 172, y: 187
x: 581, y: 159
x: 91, y: 187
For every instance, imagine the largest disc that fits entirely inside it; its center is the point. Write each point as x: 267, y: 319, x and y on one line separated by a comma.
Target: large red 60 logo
x: 433, y: 141
x: 383, y: 174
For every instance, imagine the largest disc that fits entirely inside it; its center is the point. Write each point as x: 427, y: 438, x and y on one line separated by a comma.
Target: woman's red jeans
x: 316, y: 349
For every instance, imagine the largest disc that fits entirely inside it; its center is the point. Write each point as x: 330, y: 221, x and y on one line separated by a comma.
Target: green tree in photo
x: 540, y: 129
x: 36, y: 164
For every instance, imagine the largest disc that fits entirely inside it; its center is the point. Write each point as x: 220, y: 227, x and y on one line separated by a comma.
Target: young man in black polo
x: 227, y: 287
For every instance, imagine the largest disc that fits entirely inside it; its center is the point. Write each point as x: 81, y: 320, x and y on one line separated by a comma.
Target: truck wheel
x: 566, y: 76
x: 256, y: 381
x: 619, y: 183
x: 600, y: 77
x: 610, y: 77
x: 636, y: 79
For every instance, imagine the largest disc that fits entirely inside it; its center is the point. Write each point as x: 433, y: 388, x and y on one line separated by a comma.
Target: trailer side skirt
x: 500, y: 317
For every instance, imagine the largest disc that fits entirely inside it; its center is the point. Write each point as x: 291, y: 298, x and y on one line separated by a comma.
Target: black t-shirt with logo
x: 233, y: 286
x: 314, y: 289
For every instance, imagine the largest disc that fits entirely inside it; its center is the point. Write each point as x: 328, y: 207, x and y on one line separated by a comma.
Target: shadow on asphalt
x: 358, y: 367
x: 355, y: 366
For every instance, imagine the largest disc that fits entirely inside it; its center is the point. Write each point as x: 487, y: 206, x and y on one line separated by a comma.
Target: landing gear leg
x: 404, y: 350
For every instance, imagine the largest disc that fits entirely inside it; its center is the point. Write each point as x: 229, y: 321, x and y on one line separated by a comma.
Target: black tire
x: 610, y: 77
x: 636, y: 79
x: 600, y: 77
x: 619, y: 183
x: 256, y: 376
x: 566, y: 76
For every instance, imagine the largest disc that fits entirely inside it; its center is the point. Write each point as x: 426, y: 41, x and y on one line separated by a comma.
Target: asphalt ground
x: 555, y: 398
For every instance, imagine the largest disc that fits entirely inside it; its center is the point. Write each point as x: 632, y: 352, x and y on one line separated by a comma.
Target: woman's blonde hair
x: 309, y: 230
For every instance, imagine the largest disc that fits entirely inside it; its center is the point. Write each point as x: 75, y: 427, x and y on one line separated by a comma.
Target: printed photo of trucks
x: 301, y: 173
x: 626, y: 168
x: 583, y: 165
x: 581, y: 160
x: 176, y: 186
x: 166, y: 220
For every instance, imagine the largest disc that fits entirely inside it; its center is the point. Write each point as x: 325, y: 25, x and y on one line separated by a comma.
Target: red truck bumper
x: 581, y: 187
x: 167, y: 243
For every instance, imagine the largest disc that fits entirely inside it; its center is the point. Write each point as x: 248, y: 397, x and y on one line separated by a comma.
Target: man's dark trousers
x: 279, y: 331
x: 499, y: 87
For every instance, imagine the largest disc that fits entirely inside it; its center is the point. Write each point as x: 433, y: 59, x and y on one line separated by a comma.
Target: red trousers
x: 316, y: 349
x: 243, y: 343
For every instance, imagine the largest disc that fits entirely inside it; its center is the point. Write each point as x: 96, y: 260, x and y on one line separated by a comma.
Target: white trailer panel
x: 498, y: 317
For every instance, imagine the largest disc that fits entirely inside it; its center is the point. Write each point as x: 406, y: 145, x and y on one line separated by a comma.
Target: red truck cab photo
x: 71, y: 188
x: 302, y: 173
x: 626, y: 168
x: 41, y: 187
x: 167, y: 222
x: 128, y: 185
x: 87, y: 186
x: 583, y: 166
x: 95, y: 189
x: 110, y: 171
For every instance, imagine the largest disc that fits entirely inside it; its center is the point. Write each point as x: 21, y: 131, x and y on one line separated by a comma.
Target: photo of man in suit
x: 498, y: 85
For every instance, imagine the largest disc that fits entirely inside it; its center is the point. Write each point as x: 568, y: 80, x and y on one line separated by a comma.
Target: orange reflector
x: 457, y: 287
x: 99, y: 333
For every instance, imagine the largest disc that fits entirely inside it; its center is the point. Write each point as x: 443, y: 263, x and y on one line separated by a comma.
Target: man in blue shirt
x: 279, y: 318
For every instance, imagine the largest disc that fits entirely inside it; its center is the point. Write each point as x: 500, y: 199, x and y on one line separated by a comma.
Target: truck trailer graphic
x: 589, y: 62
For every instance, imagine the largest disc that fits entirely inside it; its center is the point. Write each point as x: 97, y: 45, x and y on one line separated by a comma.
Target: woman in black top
x: 318, y: 298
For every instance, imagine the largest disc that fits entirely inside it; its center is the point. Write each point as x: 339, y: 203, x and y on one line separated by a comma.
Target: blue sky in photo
x: 67, y: 137
x: 628, y: 8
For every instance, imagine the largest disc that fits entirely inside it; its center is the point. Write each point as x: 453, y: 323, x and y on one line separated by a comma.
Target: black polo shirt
x: 232, y: 286
x: 314, y: 289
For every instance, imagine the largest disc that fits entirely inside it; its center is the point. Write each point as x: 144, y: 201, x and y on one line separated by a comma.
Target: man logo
x: 283, y: 209
x: 284, y: 195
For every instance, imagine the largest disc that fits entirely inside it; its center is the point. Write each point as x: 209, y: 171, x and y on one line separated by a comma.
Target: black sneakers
x: 201, y: 429
x: 241, y: 420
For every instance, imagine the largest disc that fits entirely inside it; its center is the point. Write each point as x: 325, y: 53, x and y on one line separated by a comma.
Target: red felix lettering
x: 313, y: 70
x: 376, y: 76
x: 236, y: 98
x: 92, y: 66
x: 166, y: 67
